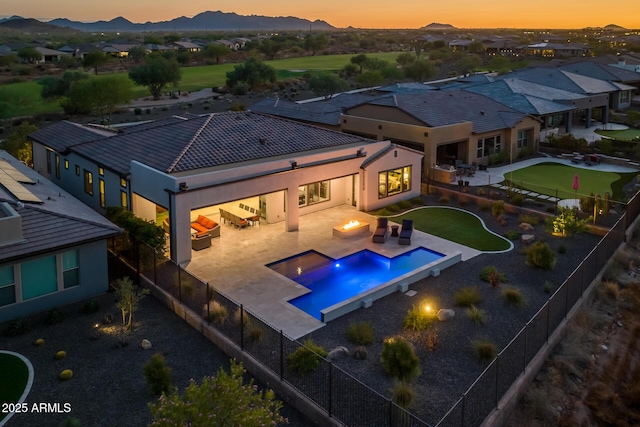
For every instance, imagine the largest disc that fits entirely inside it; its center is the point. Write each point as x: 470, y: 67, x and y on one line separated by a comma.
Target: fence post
x: 179, y: 285
x: 330, y: 386
x: 281, y: 355
x: 524, y: 353
x: 155, y: 269
x: 464, y: 399
x: 208, y: 305
x: 498, y: 373
x: 548, y: 314
x: 241, y: 327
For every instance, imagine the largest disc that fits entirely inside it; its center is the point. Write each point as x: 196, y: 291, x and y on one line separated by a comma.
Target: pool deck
x: 235, y: 264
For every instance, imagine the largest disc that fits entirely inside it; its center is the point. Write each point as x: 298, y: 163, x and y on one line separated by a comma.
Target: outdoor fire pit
x: 350, y: 229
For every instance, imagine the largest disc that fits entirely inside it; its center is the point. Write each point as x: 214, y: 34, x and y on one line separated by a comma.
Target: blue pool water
x: 332, y: 281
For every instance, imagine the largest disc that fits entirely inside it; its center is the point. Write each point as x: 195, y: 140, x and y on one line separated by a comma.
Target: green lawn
x: 622, y: 135
x: 14, y: 375
x: 193, y: 78
x: 457, y: 226
x: 547, y: 178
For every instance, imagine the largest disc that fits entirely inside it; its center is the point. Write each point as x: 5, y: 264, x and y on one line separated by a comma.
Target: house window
x: 57, y: 166
x: 314, y: 193
x: 394, y: 181
x: 7, y: 286
x: 66, y: 164
x: 624, y: 97
x: 101, y: 171
x: 523, y: 137
x: 77, y: 170
x: 123, y: 183
x: 488, y: 146
x: 123, y: 199
x: 49, y: 162
x: 101, y: 189
x: 39, y: 277
x: 70, y: 270
x: 88, y: 182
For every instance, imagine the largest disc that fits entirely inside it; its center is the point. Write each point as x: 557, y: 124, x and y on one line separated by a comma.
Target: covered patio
x: 235, y: 264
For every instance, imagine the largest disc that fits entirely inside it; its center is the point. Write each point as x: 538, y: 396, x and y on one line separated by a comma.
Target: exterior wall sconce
x: 182, y: 186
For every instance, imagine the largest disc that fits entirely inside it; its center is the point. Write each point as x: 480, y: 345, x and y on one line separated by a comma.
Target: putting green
x: 16, y: 377
x: 456, y: 225
x: 549, y: 178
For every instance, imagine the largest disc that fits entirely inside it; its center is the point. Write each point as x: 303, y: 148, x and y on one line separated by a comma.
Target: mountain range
x: 205, y: 21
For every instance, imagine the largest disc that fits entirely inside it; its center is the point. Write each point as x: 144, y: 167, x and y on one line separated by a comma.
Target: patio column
x: 605, y: 114
x: 569, y: 124
x: 292, y: 210
x: 588, y: 122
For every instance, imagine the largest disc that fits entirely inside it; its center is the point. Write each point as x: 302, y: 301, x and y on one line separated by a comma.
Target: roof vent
x: 263, y: 141
x: 482, y: 112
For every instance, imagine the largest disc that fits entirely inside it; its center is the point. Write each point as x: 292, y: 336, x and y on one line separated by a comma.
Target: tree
x: 95, y: 59
x: 137, y: 229
x: 467, y: 64
x: 54, y: 87
x: 137, y: 53
x: 183, y: 57
x: 349, y: 70
x: 326, y: 84
x: 128, y: 299
x: 156, y: 73
x: 359, y: 60
x: 270, y: 48
x: 315, y: 42
x: 370, y: 79
x: 29, y: 54
x: 216, y: 51
x: 421, y: 70
x: 501, y: 64
x: 405, y: 59
x: 254, y: 72
x: 221, y: 401
x: 171, y: 38
x: 476, y: 47
x: 98, y: 96
x: 18, y: 145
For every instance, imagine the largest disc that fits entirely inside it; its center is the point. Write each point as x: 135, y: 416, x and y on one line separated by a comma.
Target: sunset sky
x: 357, y: 13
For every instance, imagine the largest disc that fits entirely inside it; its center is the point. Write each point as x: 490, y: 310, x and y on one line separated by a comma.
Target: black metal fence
x: 339, y: 394
x: 342, y: 396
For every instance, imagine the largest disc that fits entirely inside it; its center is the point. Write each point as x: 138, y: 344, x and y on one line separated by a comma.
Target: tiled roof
x: 46, y: 231
x: 211, y: 141
x: 442, y: 108
x: 563, y: 80
x: 62, y: 135
x: 601, y: 72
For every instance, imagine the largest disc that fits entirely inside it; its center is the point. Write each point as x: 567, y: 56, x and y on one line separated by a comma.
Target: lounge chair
x: 405, y: 234
x: 380, y: 235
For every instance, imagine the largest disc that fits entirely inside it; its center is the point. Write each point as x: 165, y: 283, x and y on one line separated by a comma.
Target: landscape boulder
x: 445, y: 314
x: 146, y: 344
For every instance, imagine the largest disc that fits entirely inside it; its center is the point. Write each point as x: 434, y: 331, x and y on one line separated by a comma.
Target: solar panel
x: 14, y: 173
x: 18, y: 190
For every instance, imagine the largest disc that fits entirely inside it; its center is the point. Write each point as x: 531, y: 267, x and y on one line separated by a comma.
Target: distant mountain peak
x: 438, y: 26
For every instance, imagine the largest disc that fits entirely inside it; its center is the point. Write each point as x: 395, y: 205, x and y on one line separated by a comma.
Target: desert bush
x: 419, y: 317
x: 476, y: 315
x: 432, y: 338
x: 399, y: 359
x: 306, y: 358
x: 404, y: 204
x: 491, y: 275
x: 54, y: 316
x: 529, y: 219
x: 513, y: 296
x: 17, y: 327
x: 468, y: 296
x: 512, y: 234
x: 158, y: 374
x: 217, y: 313
x: 91, y: 306
x: 540, y: 255
x: 497, y: 208
x: 241, y: 317
x: 485, y: 350
x: 611, y: 290
x: 402, y: 394
x: 444, y: 200
x: 484, y: 205
x: 137, y: 111
x: 517, y: 199
x: 360, y: 333
x: 256, y: 333
x: 481, y: 192
x: 417, y: 201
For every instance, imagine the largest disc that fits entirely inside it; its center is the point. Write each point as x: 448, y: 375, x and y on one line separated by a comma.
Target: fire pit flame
x: 351, y: 224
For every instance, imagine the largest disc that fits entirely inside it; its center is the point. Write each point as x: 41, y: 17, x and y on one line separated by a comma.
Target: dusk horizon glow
x: 374, y: 14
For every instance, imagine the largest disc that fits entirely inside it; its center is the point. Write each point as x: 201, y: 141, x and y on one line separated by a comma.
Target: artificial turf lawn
x: 457, y: 226
x: 630, y: 134
x: 547, y: 178
x: 14, y: 376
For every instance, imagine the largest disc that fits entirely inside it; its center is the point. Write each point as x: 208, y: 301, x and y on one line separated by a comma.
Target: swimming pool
x: 332, y: 281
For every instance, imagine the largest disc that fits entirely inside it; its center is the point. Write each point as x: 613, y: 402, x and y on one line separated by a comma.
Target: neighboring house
x: 186, y: 46
x: 550, y: 50
x: 231, y: 45
x: 180, y: 165
x: 50, y: 55
x: 445, y: 125
x: 117, y: 50
x: 53, y: 248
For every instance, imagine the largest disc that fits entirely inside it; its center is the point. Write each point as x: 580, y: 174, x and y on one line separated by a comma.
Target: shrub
x: 444, y: 200
x: 417, y: 201
x: 148, y: 111
x: 91, y: 306
x: 39, y: 342
x: 484, y: 350
x: 256, y: 333
x: 517, y: 199
x: 241, y: 317
x: 393, y: 208
x: 402, y: 394
x: 61, y: 355
x: 476, y: 315
x: 217, y: 313
x: 513, y: 296
x: 484, y: 205
x: 491, y: 275
x: 512, y: 234
x: 468, y: 296
x: 540, y: 255
x: 158, y: 374
x: 17, y: 327
x: 567, y: 223
x: 497, y: 208
x: 399, y: 359
x: 420, y: 317
x: 404, y: 204
x: 54, y: 316
x: 360, y: 333
x: 137, y: 111
x: 529, y: 219
x: 547, y: 287
x: 306, y: 358
x: 611, y: 290
x: 186, y: 289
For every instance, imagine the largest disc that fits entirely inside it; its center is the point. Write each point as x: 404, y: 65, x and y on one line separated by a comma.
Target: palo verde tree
x: 326, y: 84
x: 253, y: 72
x: 315, y: 42
x: 156, y: 73
x: 57, y: 87
x: 221, y: 401
x: 128, y: 298
x: 95, y: 59
x: 29, y: 54
x: 216, y: 51
x: 98, y: 96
